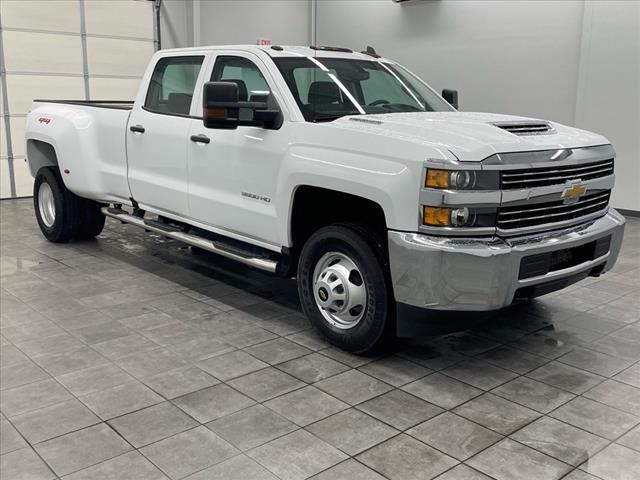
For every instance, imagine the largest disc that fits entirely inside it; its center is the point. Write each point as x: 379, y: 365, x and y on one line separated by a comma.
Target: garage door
x: 66, y: 49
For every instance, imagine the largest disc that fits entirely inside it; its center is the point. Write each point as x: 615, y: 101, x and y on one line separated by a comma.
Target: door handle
x: 200, y: 139
x: 137, y: 128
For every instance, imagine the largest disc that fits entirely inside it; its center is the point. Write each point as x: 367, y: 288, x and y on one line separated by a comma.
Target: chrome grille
x: 551, y: 213
x: 540, y: 177
x: 526, y: 128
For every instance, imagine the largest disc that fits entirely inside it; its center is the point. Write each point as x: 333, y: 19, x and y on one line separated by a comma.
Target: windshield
x: 329, y: 88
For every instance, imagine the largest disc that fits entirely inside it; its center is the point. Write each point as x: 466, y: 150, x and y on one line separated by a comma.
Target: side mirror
x: 451, y: 96
x: 221, y: 108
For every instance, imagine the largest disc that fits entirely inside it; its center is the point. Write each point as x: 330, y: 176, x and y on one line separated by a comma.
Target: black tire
x: 66, y: 217
x: 375, y: 328
x: 92, y: 221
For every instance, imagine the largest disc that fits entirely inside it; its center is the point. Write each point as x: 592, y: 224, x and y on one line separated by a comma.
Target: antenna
x: 371, y: 52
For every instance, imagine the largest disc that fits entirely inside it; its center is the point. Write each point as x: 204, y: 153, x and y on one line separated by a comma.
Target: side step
x: 194, y: 240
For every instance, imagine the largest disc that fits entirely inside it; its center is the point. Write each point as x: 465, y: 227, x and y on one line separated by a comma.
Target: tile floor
x: 131, y: 357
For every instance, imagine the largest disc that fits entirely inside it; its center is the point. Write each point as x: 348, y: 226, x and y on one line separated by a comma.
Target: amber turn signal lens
x: 437, y: 178
x: 217, y: 113
x: 436, y: 216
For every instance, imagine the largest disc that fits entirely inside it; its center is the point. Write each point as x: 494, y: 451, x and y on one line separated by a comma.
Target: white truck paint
x: 242, y: 185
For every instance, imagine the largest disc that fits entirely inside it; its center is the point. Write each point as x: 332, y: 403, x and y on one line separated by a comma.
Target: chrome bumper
x: 473, y: 274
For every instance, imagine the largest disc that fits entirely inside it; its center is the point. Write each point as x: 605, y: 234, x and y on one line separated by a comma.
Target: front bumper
x: 476, y: 274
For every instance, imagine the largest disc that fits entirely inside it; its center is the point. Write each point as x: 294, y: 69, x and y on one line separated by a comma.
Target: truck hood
x: 469, y: 136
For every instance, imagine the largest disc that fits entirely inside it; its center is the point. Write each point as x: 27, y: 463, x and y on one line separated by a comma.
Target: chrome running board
x: 194, y: 240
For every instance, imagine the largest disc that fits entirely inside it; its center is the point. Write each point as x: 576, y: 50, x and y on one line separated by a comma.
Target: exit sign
x: 264, y: 42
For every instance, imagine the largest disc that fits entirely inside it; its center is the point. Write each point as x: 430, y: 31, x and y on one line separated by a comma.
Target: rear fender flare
x: 41, y: 154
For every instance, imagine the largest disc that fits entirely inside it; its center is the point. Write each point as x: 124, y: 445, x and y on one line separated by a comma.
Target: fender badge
x: 573, y: 192
x: 44, y: 120
x: 255, y: 196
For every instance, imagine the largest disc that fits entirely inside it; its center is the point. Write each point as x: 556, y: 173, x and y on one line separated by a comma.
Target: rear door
x: 157, y: 136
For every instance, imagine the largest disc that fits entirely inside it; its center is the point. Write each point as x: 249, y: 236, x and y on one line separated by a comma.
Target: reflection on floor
x: 130, y: 356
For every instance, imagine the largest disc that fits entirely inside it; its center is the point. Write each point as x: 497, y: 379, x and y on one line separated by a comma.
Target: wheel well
x: 40, y: 154
x: 315, y: 207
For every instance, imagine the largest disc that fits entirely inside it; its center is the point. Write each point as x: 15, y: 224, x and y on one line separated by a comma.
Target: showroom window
x: 172, y: 85
x: 242, y: 72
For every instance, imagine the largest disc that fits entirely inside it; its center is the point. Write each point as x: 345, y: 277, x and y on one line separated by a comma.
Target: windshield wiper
x: 402, y: 108
x: 330, y: 118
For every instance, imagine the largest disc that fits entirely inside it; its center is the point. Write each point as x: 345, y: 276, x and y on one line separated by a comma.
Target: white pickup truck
x: 342, y: 169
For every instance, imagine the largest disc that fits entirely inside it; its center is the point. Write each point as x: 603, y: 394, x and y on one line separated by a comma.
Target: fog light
x: 437, y: 217
x: 460, y: 217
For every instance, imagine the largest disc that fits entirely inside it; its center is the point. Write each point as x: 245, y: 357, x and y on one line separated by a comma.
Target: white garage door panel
x: 60, y: 16
x: 109, y: 56
x: 22, y: 89
x: 23, y: 179
x: 3, y: 139
x: 109, y: 18
x: 113, y: 88
x: 34, y: 52
x: 42, y: 43
x: 5, y: 179
x: 17, y: 136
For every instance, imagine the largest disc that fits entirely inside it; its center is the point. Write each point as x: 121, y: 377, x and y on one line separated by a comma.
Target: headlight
x: 458, y: 217
x: 462, y: 179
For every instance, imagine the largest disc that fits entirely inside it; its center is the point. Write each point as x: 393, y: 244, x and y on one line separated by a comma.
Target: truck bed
x: 116, y: 104
x: 89, y: 141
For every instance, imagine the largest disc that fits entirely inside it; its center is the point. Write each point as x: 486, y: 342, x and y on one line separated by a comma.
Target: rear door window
x: 172, y: 85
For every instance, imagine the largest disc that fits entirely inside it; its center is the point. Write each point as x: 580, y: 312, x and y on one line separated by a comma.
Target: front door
x: 157, y: 137
x: 233, y: 177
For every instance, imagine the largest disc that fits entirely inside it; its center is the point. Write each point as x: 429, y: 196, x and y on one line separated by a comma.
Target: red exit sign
x: 264, y: 42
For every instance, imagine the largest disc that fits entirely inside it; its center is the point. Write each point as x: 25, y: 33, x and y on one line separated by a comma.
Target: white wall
x: 508, y: 57
x: 175, y: 26
x: 185, y: 23
x: 574, y: 62
x: 285, y: 22
x: 608, y: 98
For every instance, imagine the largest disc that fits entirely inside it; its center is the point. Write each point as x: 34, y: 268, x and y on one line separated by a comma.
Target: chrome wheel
x: 46, y: 204
x: 339, y: 290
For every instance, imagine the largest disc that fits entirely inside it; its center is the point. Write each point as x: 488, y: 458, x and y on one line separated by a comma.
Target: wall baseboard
x: 15, y: 198
x: 629, y: 213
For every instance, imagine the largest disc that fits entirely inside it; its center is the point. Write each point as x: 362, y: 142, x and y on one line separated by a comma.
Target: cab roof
x: 276, y: 51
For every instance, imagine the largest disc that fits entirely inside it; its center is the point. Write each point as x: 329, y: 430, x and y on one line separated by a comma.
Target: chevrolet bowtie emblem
x: 573, y: 192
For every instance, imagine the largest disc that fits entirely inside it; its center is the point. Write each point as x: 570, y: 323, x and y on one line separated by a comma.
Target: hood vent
x: 526, y: 128
x: 366, y: 120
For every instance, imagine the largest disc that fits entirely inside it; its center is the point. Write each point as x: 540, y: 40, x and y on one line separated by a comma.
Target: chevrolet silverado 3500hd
x: 342, y: 169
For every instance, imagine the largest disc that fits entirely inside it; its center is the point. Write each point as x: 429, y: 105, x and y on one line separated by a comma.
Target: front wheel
x: 344, y: 288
